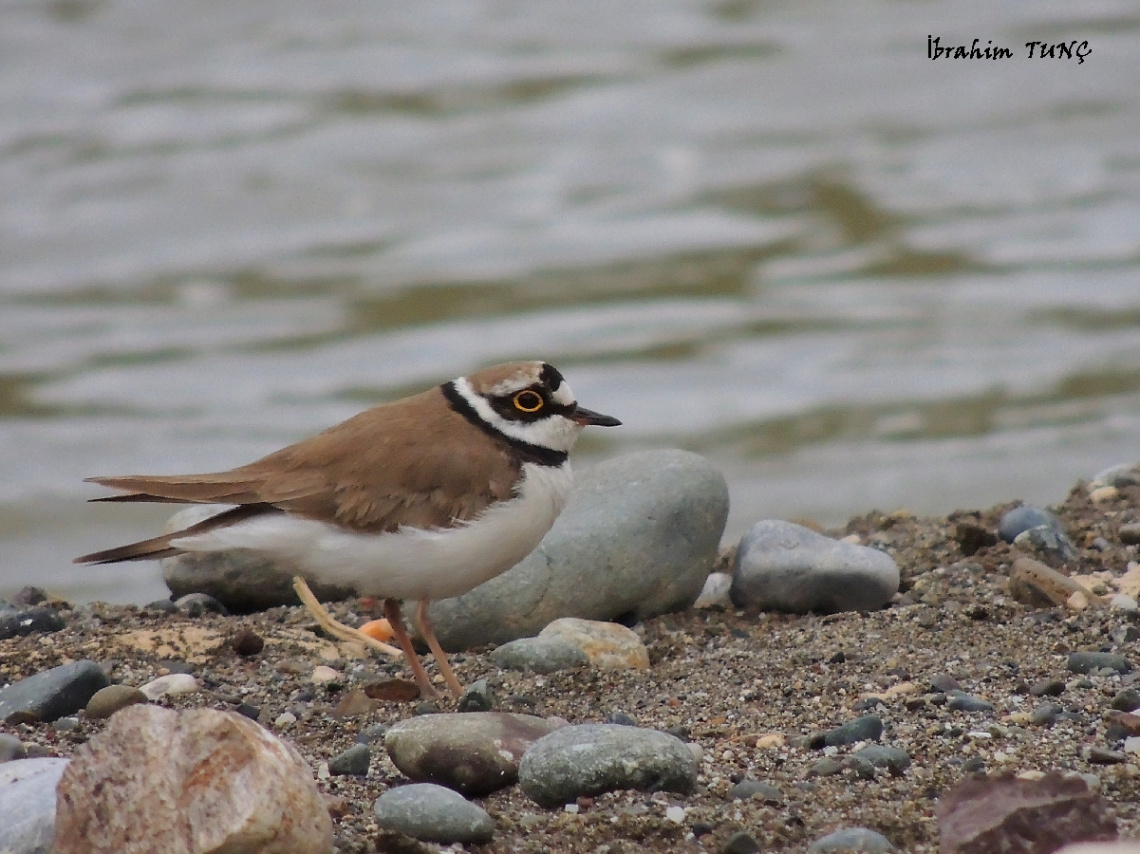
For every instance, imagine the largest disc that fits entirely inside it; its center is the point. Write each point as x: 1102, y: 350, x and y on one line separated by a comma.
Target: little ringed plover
x: 423, y: 498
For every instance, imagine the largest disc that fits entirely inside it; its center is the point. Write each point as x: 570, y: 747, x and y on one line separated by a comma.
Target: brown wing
x: 413, y: 462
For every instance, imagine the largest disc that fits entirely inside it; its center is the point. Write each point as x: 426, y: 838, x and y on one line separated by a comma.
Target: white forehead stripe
x: 564, y: 395
x: 555, y: 431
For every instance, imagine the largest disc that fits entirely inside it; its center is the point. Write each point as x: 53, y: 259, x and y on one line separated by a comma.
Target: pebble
x: 853, y: 839
x: 1124, y: 474
x: 170, y: 685
x: 1127, y: 700
x: 1046, y: 715
x: 28, y: 620
x: 638, y: 538
x: 11, y: 748
x: 246, y: 642
x: 1087, y: 662
x: 475, y: 753
x: 865, y: 728
x: 1049, y: 688
x: 433, y: 813
x: 353, y: 762
x: 741, y: 842
x: 323, y: 675
x: 476, y: 697
x: 240, y: 580
x: 589, y: 759
x: 52, y: 694
x: 607, y: 646
x: 960, y: 701
x: 27, y: 804
x: 143, y: 777
x: 893, y: 759
x: 109, y: 700
x: 197, y: 604
x: 781, y: 566
x: 1130, y: 534
x: 539, y: 655
x: 749, y: 788
x: 715, y: 593
x: 1020, y: 519
x: 1047, y: 543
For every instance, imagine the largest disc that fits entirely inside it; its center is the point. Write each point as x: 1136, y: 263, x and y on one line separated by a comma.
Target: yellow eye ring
x: 528, y: 401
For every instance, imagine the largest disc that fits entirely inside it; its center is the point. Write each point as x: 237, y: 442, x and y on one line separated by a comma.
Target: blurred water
x: 775, y: 233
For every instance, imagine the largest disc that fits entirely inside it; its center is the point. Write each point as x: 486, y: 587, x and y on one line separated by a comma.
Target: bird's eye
x: 528, y: 401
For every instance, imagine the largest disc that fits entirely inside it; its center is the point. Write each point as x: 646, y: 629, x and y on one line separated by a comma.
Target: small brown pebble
x: 353, y: 704
x: 247, y: 642
x: 1130, y: 534
x: 393, y: 690
x: 107, y: 701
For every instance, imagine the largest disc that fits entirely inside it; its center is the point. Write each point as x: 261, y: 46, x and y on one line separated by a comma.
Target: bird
x: 422, y: 498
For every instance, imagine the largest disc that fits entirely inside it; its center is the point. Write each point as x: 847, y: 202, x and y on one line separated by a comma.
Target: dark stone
x: 353, y: 762
x: 748, y: 788
x: 987, y: 814
x: 1047, y: 688
x: 960, y: 701
x: 50, y: 695
x: 19, y: 623
x: 246, y: 710
x: 1130, y: 534
x: 247, y: 642
x: 619, y: 718
x: 1046, y: 715
x: 741, y: 843
x: 945, y: 683
x: 477, y: 697
x: 1087, y: 662
x: 865, y: 728
x: 972, y: 537
x: 1127, y: 700
x: 893, y: 759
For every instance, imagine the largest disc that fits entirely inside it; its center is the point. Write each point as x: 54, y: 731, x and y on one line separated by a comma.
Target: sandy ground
x: 749, y: 688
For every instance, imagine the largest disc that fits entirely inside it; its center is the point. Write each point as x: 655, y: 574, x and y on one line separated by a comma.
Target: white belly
x: 410, y: 563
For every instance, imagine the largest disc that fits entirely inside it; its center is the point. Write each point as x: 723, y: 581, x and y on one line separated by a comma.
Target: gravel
x: 750, y: 690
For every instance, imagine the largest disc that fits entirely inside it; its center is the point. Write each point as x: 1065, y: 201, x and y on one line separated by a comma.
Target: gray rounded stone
x: 755, y: 789
x: 865, y: 728
x: 52, y: 694
x: 353, y: 762
x: 638, y: 538
x: 539, y: 655
x: 894, y: 759
x: 960, y: 701
x: 11, y: 748
x: 1087, y: 662
x: 27, y: 804
x: 475, y: 753
x: 1021, y: 519
x: 433, y: 813
x: 858, y: 840
x: 587, y: 760
x: 781, y: 566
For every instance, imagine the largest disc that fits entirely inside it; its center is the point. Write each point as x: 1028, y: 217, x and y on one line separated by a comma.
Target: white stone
x: 200, y: 781
x: 169, y: 686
